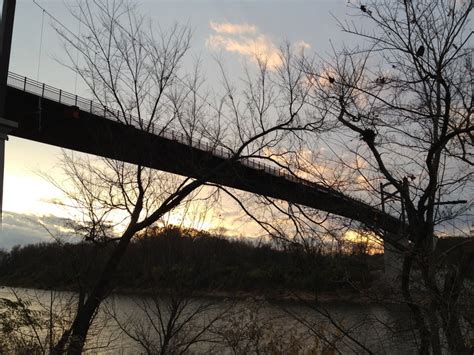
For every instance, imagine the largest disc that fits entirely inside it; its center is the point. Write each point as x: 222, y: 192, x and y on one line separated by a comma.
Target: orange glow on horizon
x: 370, y: 240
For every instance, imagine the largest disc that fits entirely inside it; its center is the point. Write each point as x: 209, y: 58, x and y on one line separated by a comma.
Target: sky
x: 229, y: 29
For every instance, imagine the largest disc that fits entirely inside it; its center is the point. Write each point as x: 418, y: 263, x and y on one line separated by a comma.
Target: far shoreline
x: 344, y: 296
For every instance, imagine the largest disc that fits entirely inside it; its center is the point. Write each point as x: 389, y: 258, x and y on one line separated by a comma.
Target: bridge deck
x: 43, y: 115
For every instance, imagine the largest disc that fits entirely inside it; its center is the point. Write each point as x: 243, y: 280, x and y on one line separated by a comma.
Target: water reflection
x: 128, y: 324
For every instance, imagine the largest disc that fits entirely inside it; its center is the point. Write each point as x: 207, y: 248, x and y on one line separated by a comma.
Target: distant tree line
x: 188, y: 259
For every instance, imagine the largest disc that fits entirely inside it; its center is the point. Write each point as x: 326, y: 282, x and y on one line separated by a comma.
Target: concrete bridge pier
x: 395, y: 243
x: 393, y: 258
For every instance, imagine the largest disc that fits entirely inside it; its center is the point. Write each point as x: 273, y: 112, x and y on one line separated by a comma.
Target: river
x: 223, y: 326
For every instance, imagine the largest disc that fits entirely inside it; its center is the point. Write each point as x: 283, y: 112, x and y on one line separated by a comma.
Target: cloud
x: 302, y: 45
x: 233, y: 28
x: 260, y: 48
x: 248, y: 41
x: 22, y: 229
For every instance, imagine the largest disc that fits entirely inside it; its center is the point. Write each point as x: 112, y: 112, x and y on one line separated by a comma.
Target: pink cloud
x: 248, y: 41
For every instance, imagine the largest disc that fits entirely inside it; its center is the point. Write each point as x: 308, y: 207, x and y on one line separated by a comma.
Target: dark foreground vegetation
x: 173, y: 258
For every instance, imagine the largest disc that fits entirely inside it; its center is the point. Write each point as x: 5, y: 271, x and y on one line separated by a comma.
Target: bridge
x: 49, y: 115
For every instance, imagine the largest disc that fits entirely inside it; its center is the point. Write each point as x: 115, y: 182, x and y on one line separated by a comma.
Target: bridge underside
x: 96, y: 135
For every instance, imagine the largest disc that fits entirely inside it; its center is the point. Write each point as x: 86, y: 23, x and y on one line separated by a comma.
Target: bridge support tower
x: 393, y: 256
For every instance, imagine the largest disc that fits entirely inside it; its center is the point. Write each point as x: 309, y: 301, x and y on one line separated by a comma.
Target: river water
x: 128, y: 324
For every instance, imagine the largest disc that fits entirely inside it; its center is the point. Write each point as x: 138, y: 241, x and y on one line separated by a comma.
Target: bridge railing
x: 49, y: 92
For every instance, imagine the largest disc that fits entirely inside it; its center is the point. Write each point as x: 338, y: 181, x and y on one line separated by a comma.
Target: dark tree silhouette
x: 415, y: 134
x: 135, y: 74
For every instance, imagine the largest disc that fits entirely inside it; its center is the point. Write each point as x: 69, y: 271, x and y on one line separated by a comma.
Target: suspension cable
x: 40, y: 47
x: 77, y: 56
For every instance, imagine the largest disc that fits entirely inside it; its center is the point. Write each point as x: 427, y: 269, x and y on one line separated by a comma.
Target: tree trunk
x: 84, y: 317
x: 449, y: 311
x: 415, y: 309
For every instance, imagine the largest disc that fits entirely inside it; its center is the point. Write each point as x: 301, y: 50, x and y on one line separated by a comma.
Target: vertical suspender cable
x: 77, y: 54
x: 38, y: 72
x: 41, y: 46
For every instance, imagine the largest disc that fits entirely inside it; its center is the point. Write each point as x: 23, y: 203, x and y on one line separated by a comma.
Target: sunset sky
x: 232, y: 30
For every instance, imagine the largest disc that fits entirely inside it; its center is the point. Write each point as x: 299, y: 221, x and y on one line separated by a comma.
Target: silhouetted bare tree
x: 133, y: 69
x: 400, y: 105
